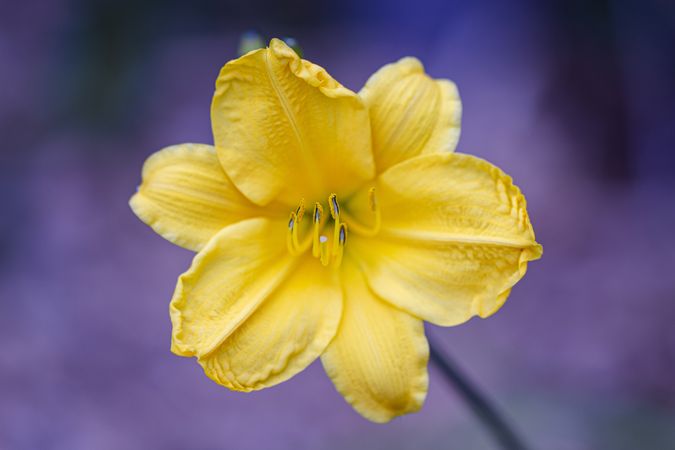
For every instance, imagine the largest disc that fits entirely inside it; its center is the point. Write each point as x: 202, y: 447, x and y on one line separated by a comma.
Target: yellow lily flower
x: 330, y: 224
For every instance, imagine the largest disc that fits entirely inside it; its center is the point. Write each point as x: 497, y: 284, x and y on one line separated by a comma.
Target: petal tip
x: 281, y: 49
x: 412, y: 64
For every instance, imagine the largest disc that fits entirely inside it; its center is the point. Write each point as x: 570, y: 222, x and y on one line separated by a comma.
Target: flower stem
x: 480, y: 405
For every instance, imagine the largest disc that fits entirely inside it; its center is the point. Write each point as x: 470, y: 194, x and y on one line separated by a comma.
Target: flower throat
x: 329, y: 249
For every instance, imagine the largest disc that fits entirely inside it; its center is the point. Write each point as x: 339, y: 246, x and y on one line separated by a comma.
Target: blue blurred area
x: 574, y: 99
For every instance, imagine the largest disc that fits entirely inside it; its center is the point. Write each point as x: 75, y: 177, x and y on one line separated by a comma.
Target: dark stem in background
x: 480, y: 405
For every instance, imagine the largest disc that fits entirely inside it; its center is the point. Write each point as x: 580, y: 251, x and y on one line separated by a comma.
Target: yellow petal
x: 237, y: 269
x: 284, y: 335
x: 285, y: 129
x: 455, y: 238
x: 186, y: 197
x: 410, y: 113
x: 378, y: 358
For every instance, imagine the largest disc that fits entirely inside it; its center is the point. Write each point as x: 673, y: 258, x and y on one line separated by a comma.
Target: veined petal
x: 455, y: 238
x: 288, y: 122
x: 237, y: 269
x: 410, y: 113
x: 445, y: 283
x: 287, y: 332
x: 186, y: 197
x: 378, y: 358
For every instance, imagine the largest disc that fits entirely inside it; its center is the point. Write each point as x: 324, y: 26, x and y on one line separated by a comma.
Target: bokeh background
x: 575, y: 99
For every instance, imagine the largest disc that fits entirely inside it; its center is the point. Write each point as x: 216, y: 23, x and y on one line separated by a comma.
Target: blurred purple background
x: 574, y: 99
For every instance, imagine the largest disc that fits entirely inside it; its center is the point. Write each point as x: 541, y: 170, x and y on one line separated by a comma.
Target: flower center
x: 329, y: 249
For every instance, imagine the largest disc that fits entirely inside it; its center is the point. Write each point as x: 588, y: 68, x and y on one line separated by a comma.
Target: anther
x: 334, y: 207
x: 318, y: 215
x: 291, y: 232
x: 342, y: 239
x: 343, y: 234
x: 300, y: 210
x: 294, y: 232
x: 318, y: 212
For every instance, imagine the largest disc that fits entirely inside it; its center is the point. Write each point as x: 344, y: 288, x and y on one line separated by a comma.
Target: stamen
x: 335, y: 213
x: 300, y: 210
x: 296, y: 247
x: 334, y: 207
x: 325, y: 256
x: 291, y: 232
x: 318, y: 212
x: 343, y: 234
x: 342, y: 239
x: 317, y: 219
x: 296, y: 240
